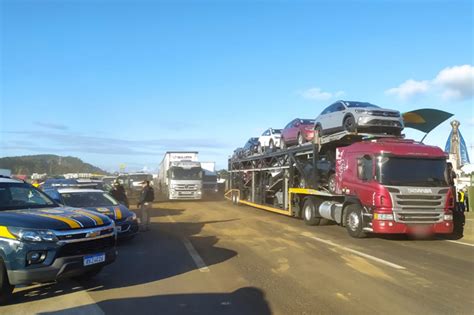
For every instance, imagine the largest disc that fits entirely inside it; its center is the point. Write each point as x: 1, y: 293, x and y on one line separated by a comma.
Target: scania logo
x: 92, y: 234
x: 420, y: 190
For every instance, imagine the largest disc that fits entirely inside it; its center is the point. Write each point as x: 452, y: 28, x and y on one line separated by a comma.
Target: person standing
x: 118, y: 192
x: 146, y: 198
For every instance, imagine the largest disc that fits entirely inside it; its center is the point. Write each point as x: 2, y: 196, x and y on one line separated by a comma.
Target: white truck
x: 180, y: 176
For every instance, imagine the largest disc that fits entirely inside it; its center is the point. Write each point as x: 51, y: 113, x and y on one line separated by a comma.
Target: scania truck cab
x: 42, y: 241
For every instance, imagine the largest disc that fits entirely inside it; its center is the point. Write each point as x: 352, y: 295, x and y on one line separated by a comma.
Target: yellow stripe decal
x: 72, y: 223
x: 5, y: 233
x: 118, y: 213
x: 97, y: 219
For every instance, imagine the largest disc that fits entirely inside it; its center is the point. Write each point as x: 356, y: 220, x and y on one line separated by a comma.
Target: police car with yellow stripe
x: 41, y: 241
x: 100, y: 202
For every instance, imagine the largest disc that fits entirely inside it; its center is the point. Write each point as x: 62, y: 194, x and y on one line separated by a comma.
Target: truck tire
x: 6, y: 288
x: 332, y: 183
x: 354, y: 221
x: 309, y: 212
x: 349, y: 123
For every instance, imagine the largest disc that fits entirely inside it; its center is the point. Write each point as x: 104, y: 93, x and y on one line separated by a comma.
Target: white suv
x: 269, y: 140
x: 358, y: 116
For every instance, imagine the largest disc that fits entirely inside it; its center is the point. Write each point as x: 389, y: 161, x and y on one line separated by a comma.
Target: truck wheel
x: 6, y: 288
x: 332, y: 183
x: 301, y: 139
x: 309, y: 212
x: 349, y: 124
x: 353, y: 221
x: 88, y: 274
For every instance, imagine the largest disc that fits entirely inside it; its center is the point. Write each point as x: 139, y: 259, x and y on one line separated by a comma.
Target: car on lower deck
x: 100, y: 202
x: 297, y: 132
x: 42, y: 241
x: 354, y: 116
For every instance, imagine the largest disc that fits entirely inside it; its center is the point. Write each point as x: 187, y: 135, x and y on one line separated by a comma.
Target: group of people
x: 147, y: 196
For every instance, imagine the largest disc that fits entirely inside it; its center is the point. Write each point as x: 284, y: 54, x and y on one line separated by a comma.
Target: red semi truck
x: 367, y: 184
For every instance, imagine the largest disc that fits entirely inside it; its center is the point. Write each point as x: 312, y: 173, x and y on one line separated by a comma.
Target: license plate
x: 186, y: 193
x: 94, y: 259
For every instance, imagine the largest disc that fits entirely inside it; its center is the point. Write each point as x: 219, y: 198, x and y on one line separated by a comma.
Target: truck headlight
x: 32, y: 235
x: 383, y: 216
x: 448, y: 217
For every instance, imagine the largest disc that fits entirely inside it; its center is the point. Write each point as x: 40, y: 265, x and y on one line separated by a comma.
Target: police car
x: 101, y: 202
x: 41, y: 241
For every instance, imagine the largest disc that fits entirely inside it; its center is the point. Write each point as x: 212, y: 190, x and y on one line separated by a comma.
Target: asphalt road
x: 215, y: 258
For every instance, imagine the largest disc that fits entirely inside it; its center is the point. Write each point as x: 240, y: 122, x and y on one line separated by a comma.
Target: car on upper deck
x: 42, y: 241
x: 101, y: 202
x: 354, y: 116
x: 297, y: 132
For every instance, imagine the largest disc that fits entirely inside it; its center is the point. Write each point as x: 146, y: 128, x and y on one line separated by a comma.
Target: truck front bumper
x: 63, y: 267
x: 392, y: 227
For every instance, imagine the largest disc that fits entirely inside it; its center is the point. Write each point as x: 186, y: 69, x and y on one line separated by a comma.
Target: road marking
x: 355, y: 252
x: 195, y: 256
x: 192, y: 252
x: 458, y: 242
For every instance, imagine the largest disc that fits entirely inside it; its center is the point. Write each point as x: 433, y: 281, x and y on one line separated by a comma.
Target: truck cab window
x: 365, y: 168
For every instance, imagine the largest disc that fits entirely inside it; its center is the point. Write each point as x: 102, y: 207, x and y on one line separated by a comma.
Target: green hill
x: 47, y: 163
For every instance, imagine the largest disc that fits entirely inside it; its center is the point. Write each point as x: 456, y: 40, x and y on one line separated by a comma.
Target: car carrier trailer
x: 364, y: 182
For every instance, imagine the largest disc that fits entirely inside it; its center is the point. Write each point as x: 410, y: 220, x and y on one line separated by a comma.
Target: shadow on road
x: 152, y: 256
x: 247, y: 300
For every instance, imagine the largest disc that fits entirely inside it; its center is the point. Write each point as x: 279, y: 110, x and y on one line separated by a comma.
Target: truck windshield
x: 418, y: 172
x: 22, y: 196
x: 186, y: 174
x: 88, y: 199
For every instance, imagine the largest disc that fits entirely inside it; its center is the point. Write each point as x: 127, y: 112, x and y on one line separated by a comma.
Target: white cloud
x: 318, y: 94
x: 457, y: 82
x: 409, y: 89
x: 451, y: 83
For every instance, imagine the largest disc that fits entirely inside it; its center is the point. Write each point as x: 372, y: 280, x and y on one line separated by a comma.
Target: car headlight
x: 361, y: 111
x: 32, y: 235
x: 133, y: 217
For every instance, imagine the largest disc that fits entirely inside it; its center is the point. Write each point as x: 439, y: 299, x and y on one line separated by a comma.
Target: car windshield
x: 88, y: 199
x: 360, y: 105
x: 395, y: 171
x: 277, y: 131
x: 23, y: 196
x: 307, y: 121
x: 180, y: 173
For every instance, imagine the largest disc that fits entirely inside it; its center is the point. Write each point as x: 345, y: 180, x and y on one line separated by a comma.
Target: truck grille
x: 186, y: 187
x: 418, y: 208
x: 86, y: 247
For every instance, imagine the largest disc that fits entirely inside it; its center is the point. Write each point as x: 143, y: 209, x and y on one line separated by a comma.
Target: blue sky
x: 117, y: 82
